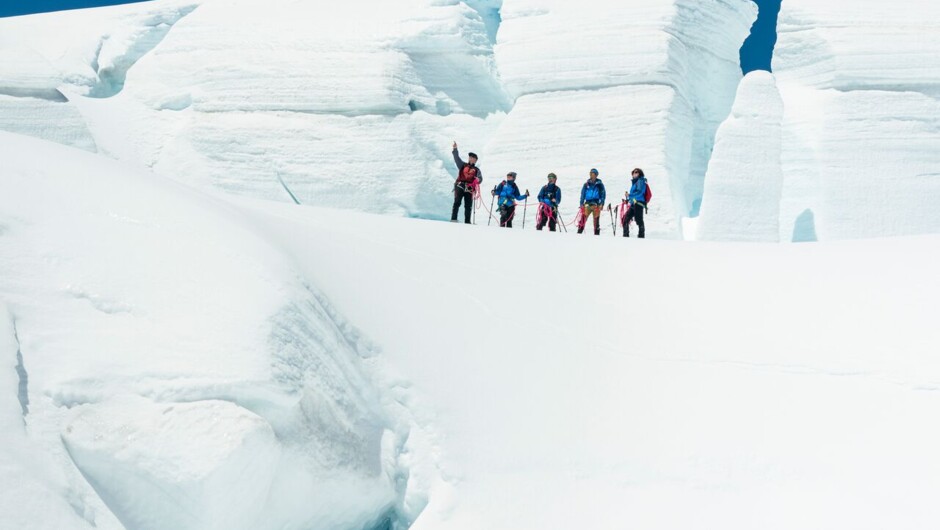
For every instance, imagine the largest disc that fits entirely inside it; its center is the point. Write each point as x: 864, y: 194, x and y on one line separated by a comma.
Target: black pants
x: 550, y: 219
x: 636, y: 213
x: 467, y: 197
x: 506, y: 214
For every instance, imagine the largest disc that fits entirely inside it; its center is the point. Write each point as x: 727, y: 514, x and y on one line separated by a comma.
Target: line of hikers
x: 593, y: 198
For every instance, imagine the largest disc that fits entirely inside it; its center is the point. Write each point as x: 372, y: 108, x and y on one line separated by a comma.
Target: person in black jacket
x: 549, y: 198
x: 469, y: 178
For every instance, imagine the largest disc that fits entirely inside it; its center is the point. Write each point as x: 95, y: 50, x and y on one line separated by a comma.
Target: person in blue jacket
x: 593, y: 197
x: 636, y: 198
x: 508, y: 193
x: 549, y: 198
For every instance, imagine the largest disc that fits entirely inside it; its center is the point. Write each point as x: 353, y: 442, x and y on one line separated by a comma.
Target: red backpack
x: 648, y: 195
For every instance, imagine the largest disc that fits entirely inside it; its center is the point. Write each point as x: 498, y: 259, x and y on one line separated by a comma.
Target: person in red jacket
x: 469, y: 177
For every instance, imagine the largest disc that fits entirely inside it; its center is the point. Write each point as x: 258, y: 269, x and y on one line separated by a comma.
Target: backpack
x: 648, y: 195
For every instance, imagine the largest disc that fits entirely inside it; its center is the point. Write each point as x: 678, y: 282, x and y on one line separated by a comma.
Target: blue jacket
x: 550, y: 195
x: 593, y: 193
x: 638, y: 190
x: 508, y: 193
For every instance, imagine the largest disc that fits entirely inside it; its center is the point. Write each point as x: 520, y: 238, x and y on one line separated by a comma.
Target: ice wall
x: 48, y: 61
x: 860, y: 82
x: 744, y: 179
x: 615, y: 87
x: 354, y: 106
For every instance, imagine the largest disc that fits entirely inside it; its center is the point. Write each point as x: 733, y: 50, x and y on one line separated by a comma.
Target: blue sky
x: 755, y: 54
x: 758, y: 48
x: 9, y: 8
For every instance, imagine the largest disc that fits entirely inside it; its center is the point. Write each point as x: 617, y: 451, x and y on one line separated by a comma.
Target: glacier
x: 356, y: 106
x: 181, y: 86
x: 161, y: 396
x: 187, y: 348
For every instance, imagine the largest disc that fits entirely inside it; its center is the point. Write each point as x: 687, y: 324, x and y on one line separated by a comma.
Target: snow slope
x: 595, y: 382
x: 180, y: 372
x: 184, y: 365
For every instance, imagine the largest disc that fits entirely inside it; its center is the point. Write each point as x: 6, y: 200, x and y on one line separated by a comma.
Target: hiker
x: 468, y: 180
x: 549, y: 198
x: 636, y: 203
x: 508, y: 193
x: 593, y: 196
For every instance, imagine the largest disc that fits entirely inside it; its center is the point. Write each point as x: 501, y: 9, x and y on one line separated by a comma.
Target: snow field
x: 583, y: 382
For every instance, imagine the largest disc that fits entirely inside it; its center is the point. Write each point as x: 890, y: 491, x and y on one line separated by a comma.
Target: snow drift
x: 196, y: 378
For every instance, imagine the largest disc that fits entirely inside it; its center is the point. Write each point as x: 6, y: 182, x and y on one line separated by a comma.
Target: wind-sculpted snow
x: 196, y: 378
x: 860, y: 83
x: 744, y: 179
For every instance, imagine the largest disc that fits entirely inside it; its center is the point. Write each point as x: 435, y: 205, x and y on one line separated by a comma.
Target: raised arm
x: 460, y: 163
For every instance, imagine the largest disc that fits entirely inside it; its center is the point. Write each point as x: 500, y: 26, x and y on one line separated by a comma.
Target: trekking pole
x: 524, y: 208
x: 490, y: 220
x: 612, y: 225
x: 616, y: 217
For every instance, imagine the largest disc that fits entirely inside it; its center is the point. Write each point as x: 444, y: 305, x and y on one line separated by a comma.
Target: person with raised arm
x: 469, y: 178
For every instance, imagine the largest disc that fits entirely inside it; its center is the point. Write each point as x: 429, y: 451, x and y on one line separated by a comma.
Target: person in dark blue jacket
x: 508, y: 193
x: 593, y: 197
x: 636, y: 199
x: 549, y: 198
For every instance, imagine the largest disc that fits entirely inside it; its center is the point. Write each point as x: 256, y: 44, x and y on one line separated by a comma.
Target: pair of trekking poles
x: 525, y: 207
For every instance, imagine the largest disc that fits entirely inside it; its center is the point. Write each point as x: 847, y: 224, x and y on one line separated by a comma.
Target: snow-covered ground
x: 188, y: 367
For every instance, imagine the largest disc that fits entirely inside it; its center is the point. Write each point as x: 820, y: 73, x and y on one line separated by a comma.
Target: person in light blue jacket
x: 508, y: 193
x: 636, y: 199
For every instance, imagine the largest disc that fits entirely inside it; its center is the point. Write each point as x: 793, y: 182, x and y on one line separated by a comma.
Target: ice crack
x: 23, y: 393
